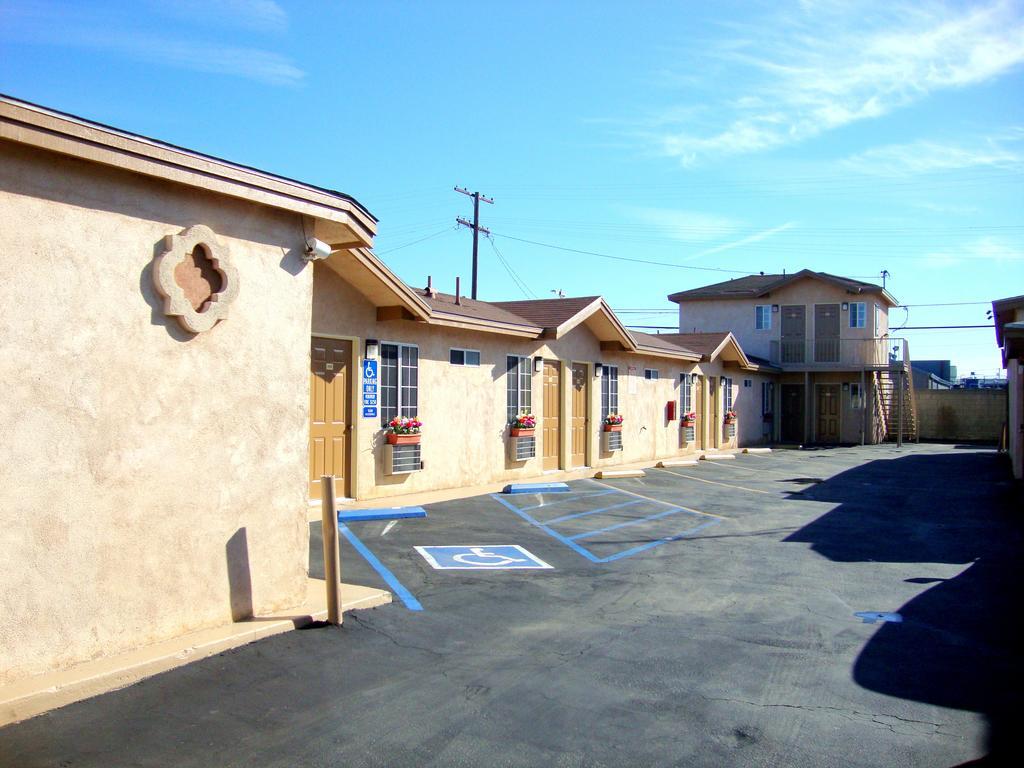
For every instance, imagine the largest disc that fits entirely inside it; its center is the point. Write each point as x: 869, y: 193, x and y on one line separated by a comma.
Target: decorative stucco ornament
x: 182, y: 272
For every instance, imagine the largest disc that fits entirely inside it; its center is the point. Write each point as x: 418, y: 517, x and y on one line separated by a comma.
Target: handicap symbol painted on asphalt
x: 502, y: 557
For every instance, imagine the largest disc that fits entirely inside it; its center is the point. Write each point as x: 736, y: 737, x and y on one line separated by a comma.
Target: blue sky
x: 742, y: 137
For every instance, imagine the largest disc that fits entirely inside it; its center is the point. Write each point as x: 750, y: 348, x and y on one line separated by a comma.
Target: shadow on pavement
x: 957, y: 646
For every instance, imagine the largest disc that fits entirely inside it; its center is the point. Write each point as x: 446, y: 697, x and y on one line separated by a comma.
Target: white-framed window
x: 858, y: 314
x: 609, y: 390
x: 727, y: 392
x: 685, y: 393
x: 763, y: 317
x: 878, y: 320
x: 399, y: 381
x: 518, y: 386
x: 651, y: 374
x: 464, y: 356
x: 856, y: 395
x: 767, y: 397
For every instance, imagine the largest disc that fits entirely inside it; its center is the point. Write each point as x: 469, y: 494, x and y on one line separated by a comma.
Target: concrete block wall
x: 961, y: 414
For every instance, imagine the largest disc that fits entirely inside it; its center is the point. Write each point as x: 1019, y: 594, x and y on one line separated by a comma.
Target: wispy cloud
x: 748, y: 240
x: 830, y: 64
x: 61, y: 25
x: 990, y: 249
x: 264, y: 15
x: 932, y: 156
x: 686, y: 226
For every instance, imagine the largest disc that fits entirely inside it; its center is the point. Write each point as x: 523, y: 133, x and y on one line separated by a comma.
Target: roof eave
x: 454, y: 320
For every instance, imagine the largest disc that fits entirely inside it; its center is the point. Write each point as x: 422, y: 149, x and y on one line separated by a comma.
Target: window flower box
x: 404, y: 431
x: 730, y: 417
x: 689, y: 419
x: 613, y: 422
x: 396, y: 439
x: 523, y: 425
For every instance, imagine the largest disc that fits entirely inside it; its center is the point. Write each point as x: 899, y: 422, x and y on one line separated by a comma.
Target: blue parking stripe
x: 650, y: 544
x: 396, y: 586
x: 563, y: 500
x: 554, y: 534
x: 587, y: 534
x: 563, y: 518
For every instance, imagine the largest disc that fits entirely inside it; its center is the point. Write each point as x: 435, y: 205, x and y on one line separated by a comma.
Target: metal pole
x: 332, y: 560
x: 476, y: 235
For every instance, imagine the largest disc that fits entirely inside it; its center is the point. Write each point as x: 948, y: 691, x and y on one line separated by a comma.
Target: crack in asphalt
x: 362, y: 623
x: 858, y: 715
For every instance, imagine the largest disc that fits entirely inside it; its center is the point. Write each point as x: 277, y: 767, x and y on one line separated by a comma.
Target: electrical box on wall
x: 670, y: 410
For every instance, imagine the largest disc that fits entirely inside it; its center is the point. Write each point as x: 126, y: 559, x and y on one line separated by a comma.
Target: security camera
x: 316, y: 249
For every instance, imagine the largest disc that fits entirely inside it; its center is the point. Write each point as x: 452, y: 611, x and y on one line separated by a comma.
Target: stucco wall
x: 961, y: 414
x: 151, y: 481
x: 737, y: 315
x: 465, y: 432
x: 1015, y: 410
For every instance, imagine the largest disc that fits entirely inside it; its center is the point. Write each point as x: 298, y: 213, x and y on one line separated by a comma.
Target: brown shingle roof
x: 704, y: 344
x: 470, y: 308
x: 661, y: 341
x: 547, y: 313
x: 752, y: 286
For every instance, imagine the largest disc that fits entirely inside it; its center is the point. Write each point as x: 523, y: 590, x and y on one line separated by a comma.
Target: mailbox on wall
x: 670, y: 410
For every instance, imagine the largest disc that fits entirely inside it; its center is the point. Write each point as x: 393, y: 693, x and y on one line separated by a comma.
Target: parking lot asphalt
x: 698, y: 616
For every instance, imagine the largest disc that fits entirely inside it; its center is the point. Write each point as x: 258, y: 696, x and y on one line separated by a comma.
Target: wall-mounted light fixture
x: 775, y: 307
x: 846, y: 386
x: 598, y: 369
x: 846, y: 306
x: 372, y: 349
x: 694, y: 377
x: 538, y: 364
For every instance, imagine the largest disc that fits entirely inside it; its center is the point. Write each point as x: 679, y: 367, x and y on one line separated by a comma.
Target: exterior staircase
x: 896, y: 402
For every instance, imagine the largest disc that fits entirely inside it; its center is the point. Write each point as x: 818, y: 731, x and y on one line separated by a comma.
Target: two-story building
x: 842, y: 373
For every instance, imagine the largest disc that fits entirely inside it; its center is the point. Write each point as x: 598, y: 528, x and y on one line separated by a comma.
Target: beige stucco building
x: 152, y: 479
x: 844, y: 378
x: 179, y: 373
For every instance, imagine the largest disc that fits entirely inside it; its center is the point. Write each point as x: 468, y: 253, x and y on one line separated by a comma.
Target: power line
x: 512, y: 273
x: 622, y: 258
x: 413, y: 242
x: 936, y: 327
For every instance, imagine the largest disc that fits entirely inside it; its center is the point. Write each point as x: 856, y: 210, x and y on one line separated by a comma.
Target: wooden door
x: 792, y: 413
x: 828, y: 413
x: 329, y: 414
x: 793, y: 333
x: 698, y: 405
x: 580, y: 409
x: 551, y: 421
x: 826, y: 333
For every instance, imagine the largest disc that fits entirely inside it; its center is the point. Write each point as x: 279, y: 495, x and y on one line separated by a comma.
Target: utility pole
x: 475, y: 226
x: 885, y: 274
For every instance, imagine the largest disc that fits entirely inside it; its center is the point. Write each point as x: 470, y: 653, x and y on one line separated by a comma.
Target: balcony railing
x: 839, y: 353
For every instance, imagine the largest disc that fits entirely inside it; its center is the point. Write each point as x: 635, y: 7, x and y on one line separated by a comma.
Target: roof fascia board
x: 42, y: 129
x: 404, y: 296
x: 484, y: 326
x: 560, y: 330
x: 690, y: 357
x: 598, y: 305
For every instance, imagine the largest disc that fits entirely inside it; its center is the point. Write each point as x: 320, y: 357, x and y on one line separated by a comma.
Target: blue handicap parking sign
x: 501, y: 557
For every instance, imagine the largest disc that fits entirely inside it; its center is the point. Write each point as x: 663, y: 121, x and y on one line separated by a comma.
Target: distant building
x: 926, y: 379
x: 1009, y: 322
x: 944, y: 369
